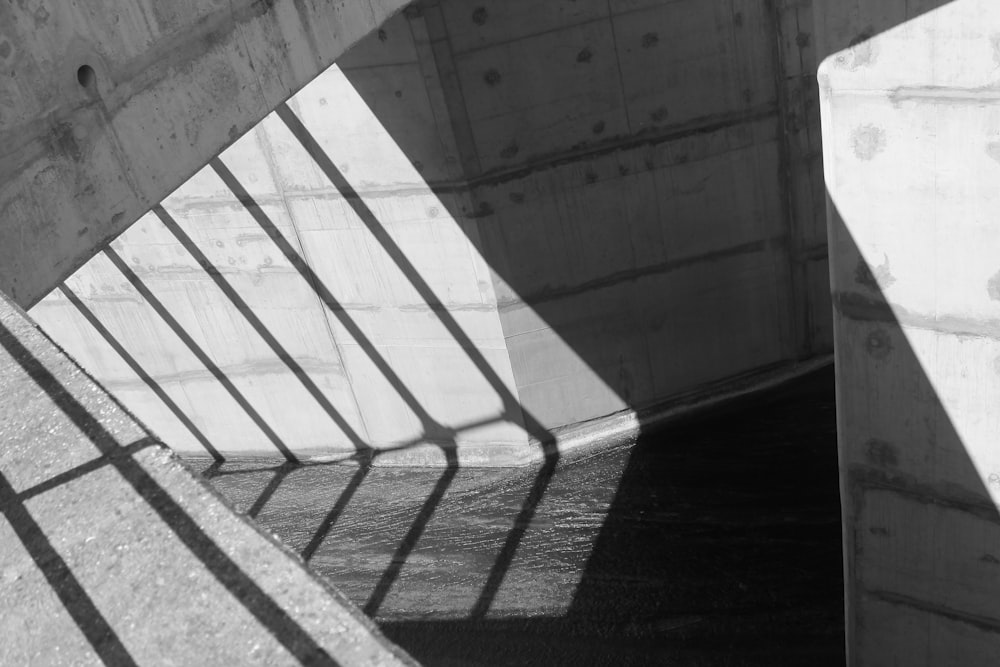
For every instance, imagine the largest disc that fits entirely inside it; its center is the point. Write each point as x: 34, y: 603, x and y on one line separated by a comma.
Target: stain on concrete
x: 598, y: 127
x: 623, y: 170
x: 990, y: 558
x: 480, y: 15
x: 590, y: 177
x: 879, y: 531
x: 738, y: 19
x: 418, y: 165
x: 516, y: 197
x: 993, y: 150
x: 398, y: 93
x: 862, y: 52
x: 585, y: 55
x: 433, y: 212
x: 650, y: 39
x: 234, y: 133
x: 659, y: 114
x: 875, y: 279
x: 491, y: 77
x: 5, y: 49
x: 382, y: 35
x: 878, y: 344
x: 867, y: 141
x: 115, y: 219
x: 803, y: 39
x: 510, y: 150
x: 993, y: 287
x: 881, y: 453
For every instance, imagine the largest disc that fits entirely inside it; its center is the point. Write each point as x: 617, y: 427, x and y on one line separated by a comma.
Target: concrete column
x: 911, y: 139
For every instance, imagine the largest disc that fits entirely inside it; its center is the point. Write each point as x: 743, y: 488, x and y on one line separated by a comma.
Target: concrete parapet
x: 113, y: 551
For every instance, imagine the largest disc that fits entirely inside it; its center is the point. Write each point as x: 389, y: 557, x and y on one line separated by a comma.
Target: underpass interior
x: 505, y: 235
x: 515, y: 323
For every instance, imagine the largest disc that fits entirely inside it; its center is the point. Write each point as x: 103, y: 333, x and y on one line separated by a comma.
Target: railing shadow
x: 108, y: 646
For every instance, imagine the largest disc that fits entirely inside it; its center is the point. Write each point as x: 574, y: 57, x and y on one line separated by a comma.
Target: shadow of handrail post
x: 141, y: 372
x: 196, y: 349
x: 242, y: 587
x: 60, y: 577
x: 258, y: 326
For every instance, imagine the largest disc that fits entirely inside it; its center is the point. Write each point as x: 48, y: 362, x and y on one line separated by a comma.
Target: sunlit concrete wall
x: 599, y: 207
x: 910, y: 134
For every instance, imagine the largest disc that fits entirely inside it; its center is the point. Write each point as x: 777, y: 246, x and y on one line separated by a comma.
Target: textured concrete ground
x: 716, y: 542
x: 112, y: 552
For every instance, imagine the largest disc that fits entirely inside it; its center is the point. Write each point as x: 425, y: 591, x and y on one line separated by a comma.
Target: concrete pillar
x: 911, y: 158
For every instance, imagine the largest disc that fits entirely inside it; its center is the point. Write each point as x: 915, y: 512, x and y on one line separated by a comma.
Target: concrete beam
x: 105, y: 109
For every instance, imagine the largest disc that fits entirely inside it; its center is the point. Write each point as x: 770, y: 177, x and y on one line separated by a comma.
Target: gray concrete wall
x: 910, y: 133
x: 493, y: 220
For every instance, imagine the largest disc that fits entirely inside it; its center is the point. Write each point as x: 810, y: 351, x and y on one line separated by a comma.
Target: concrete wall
x: 493, y: 220
x: 910, y: 125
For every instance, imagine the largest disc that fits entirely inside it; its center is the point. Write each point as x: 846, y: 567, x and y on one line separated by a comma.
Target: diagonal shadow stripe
x: 300, y: 374
x: 243, y: 588
x: 430, y: 425
x: 338, y: 507
x: 199, y: 353
x: 141, y: 372
x: 61, y: 579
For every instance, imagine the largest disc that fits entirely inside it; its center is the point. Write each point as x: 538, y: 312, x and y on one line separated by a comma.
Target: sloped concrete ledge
x: 112, y: 551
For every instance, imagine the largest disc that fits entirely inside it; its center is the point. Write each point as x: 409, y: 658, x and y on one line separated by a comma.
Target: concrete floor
x: 714, y: 542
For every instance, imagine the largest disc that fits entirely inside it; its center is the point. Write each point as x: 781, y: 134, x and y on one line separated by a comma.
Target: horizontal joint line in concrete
x: 553, y: 294
x: 981, y: 622
x: 863, y: 308
x: 864, y: 478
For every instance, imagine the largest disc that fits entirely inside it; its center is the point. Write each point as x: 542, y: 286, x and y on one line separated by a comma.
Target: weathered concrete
x: 114, y: 552
x: 909, y: 133
x: 490, y: 222
x: 107, y: 108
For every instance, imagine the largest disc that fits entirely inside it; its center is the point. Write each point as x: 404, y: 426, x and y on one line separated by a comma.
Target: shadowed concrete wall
x: 610, y: 206
x: 910, y: 135
x: 107, y: 107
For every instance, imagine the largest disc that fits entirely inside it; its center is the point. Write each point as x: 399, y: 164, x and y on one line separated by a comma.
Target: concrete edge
x: 581, y: 438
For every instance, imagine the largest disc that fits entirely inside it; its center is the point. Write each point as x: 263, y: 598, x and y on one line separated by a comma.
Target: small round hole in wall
x: 86, y: 76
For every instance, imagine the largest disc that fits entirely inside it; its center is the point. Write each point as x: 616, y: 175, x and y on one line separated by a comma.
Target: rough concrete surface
x: 712, y: 542
x: 909, y: 124
x: 112, y: 551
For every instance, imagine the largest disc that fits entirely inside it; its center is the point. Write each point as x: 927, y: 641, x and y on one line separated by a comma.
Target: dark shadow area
x: 719, y: 544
